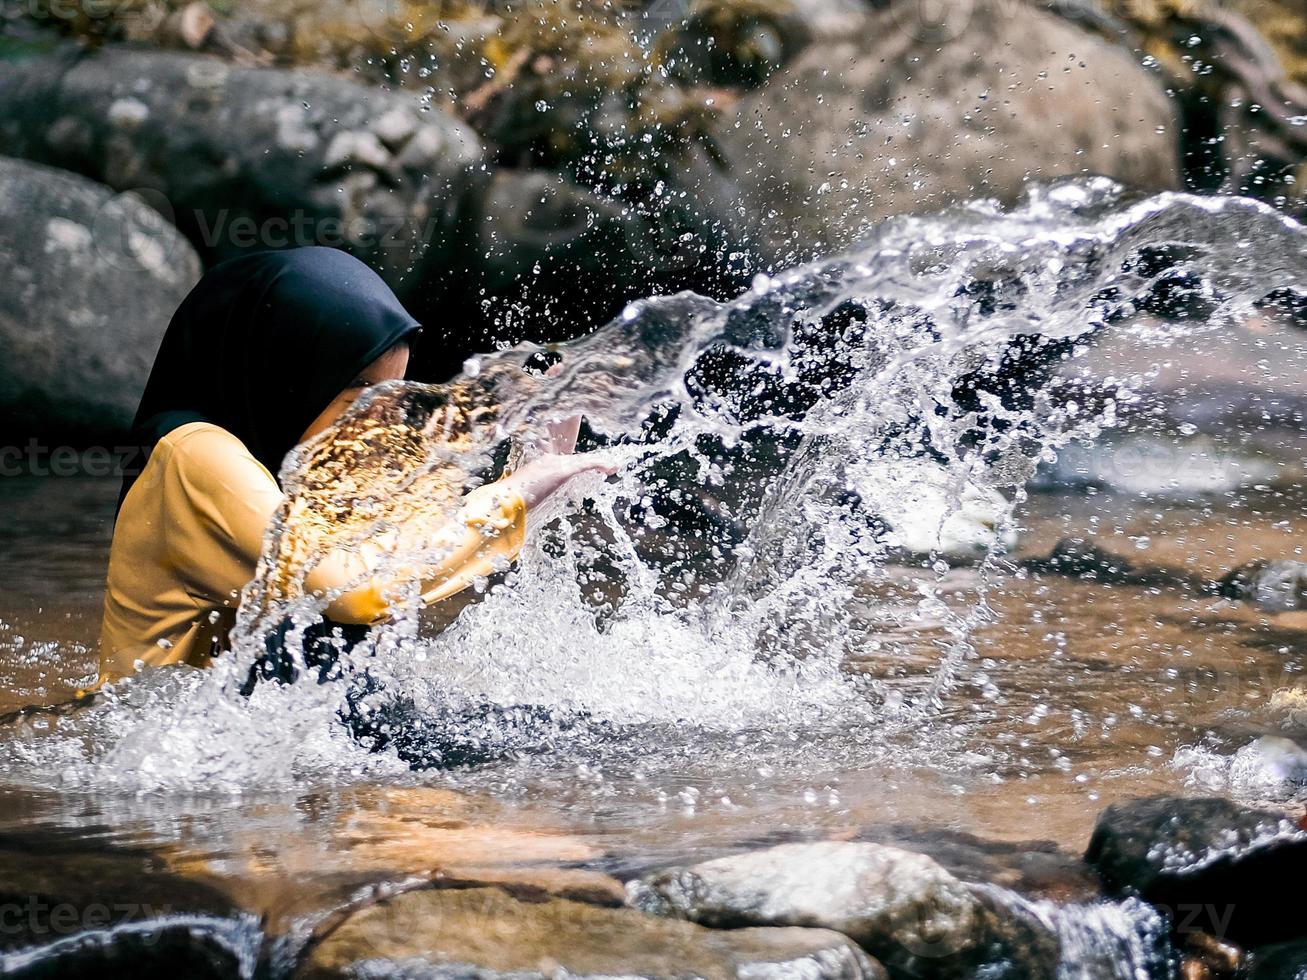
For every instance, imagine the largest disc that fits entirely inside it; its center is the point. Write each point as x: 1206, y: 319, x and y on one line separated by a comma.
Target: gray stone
x: 1273, y: 585
x: 91, y: 281
x: 486, y: 933
x: 900, y: 906
x: 905, y: 116
x: 249, y: 158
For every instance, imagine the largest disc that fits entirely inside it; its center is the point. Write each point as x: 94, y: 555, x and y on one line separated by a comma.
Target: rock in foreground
x: 901, y: 907
x: 486, y: 933
x: 1207, y: 862
x: 91, y: 281
x: 74, y: 911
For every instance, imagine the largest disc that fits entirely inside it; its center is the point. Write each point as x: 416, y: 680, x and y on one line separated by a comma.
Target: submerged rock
x: 91, y: 281
x: 1276, y: 586
x: 1082, y: 559
x: 74, y: 909
x: 244, y: 158
x: 891, y: 121
x: 1270, y: 767
x: 900, y: 906
x: 1206, y: 862
x: 1205, y: 958
x: 486, y: 933
x: 1035, y: 870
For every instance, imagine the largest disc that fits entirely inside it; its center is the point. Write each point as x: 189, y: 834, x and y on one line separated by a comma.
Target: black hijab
x: 264, y: 343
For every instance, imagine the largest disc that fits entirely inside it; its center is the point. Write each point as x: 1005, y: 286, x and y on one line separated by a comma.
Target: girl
x: 266, y: 352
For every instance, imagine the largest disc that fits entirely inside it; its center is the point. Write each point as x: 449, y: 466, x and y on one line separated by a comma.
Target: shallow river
x: 958, y: 707
x: 1079, y: 694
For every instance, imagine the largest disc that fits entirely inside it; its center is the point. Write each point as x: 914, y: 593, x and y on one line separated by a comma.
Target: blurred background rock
x: 521, y: 170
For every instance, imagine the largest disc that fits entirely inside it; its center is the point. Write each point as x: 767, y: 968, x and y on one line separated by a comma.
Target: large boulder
x: 900, y: 906
x: 1206, y: 862
x: 487, y: 933
x: 544, y: 252
x: 248, y: 158
x: 91, y: 280
x: 893, y: 120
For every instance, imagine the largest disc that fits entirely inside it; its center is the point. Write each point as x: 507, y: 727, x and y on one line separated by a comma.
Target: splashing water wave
x: 779, y: 455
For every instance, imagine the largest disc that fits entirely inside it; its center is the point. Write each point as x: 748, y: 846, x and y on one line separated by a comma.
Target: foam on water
x: 775, y: 453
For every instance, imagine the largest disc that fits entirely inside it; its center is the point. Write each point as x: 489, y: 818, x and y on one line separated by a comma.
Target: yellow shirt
x: 188, y: 538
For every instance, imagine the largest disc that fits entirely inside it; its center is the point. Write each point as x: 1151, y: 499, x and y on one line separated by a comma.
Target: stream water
x: 805, y: 606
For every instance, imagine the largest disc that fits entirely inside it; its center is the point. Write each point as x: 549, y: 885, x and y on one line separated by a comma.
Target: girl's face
x: 390, y: 366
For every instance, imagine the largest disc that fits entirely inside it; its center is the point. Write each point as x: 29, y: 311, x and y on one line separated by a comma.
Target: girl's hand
x: 545, y: 476
x: 562, y: 435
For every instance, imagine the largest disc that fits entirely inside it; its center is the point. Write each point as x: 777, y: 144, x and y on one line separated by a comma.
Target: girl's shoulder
x: 204, y: 453
x: 201, y: 436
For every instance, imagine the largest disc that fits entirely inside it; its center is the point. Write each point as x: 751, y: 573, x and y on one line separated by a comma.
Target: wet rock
x: 894, y: 120
x: 1165, y: 466
x: 1078, y: 558
x: 901, y: 907
x: 74, y: 908
x: 243, y: 158
x: 929, y: 511
x: 1282, y: 961
x: 91, y: 281
x: 541, y: 241
x: 1273, y: 585
x: 1239, y: 70
x: 1033, y: 869
x: 1206, y: 862
x: 486, y: 933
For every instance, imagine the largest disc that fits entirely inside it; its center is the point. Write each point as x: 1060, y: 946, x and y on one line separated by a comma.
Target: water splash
x: 779, y: 453
x: 1103, y: 940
